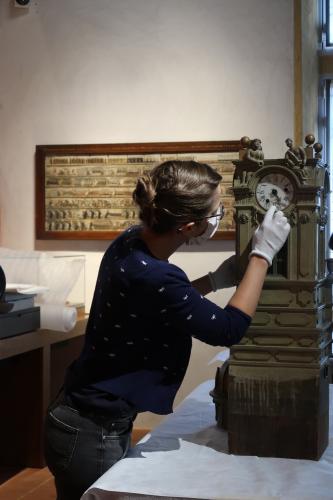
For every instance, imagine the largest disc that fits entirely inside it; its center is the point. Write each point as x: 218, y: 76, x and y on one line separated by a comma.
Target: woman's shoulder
x: 166, y: 273
x: 130, y: 249
x: 125, y: 243
x: 155, y: 271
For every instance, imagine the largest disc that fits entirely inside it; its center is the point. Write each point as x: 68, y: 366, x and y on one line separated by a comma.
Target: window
x: 326, y: 88
x: 326, y: 129
x: 328, y: 22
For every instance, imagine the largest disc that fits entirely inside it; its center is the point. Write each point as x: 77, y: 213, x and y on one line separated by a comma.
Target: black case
x: 20, y: 301
x: 18, y: 322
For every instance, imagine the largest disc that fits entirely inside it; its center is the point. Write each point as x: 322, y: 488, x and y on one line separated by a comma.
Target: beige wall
x: 310, y: 67
x: 83, y: 71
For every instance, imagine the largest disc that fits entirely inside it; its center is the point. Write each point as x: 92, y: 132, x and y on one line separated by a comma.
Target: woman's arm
x: 223, y: 277
x: 203, y: 285
x: 267, y: 240
x: 247, y: 295
x: 248, y: 292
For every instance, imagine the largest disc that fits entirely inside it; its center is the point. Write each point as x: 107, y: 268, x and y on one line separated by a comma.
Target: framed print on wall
x: 84, y: 191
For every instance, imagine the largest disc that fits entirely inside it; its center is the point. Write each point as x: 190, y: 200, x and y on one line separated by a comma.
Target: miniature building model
x: 272, y: 395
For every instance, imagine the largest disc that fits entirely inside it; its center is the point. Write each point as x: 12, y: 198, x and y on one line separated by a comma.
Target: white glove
x: 270, y: 236
x: 225, y: 274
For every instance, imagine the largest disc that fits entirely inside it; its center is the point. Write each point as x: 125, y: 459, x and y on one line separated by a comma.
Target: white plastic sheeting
x: 57, y: 276
x: 187, y: 456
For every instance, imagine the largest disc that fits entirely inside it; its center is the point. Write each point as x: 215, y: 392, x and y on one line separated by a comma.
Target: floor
x: 29, y: 484
x: 38, y: 484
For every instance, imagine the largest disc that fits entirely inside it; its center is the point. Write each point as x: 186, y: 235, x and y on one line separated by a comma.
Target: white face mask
x: 212, y: 226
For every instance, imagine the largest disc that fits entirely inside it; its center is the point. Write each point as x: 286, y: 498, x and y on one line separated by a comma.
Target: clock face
x: 274, y: 189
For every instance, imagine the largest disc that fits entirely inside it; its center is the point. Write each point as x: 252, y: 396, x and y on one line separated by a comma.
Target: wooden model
x: 272, y: 395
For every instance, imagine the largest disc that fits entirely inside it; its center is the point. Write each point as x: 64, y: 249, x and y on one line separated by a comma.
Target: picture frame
x: 84, y: 191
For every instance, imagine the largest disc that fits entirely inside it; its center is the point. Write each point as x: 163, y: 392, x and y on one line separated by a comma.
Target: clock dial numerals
x: 274, y: 189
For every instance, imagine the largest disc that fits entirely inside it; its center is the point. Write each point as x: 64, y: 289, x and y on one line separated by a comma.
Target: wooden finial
x: 309, y: 139
x: 318, y: 148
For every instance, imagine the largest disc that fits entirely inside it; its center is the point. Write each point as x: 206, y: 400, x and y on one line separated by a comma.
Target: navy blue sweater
x: 139, y: 333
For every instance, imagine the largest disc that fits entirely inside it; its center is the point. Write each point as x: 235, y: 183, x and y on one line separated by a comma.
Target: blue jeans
x: 80, y: 448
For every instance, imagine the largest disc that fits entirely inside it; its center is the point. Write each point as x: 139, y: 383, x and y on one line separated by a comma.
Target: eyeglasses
x: 220, y: 212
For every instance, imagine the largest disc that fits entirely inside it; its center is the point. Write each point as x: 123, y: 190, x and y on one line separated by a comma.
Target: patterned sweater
x: 139, y: 333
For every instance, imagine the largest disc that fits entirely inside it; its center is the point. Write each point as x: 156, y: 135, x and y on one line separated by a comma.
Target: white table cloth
x: 186, y: 457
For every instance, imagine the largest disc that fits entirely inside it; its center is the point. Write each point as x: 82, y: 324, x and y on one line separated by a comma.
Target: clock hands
x: 275, y: 190
x: 274, y: 196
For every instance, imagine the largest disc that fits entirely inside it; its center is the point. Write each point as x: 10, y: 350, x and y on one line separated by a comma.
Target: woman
x: 144, y: 313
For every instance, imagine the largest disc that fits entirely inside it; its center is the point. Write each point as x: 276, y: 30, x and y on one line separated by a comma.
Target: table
x: 32, y: 368
x: 186, y: 457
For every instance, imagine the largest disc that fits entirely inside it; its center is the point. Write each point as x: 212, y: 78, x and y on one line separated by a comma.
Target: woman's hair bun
x: 144, y: 192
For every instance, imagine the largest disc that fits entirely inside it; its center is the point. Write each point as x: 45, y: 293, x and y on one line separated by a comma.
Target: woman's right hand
x: 271, y: 235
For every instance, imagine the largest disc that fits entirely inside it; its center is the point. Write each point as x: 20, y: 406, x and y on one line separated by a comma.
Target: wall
x: 310, y: 67
x: 83, y: 71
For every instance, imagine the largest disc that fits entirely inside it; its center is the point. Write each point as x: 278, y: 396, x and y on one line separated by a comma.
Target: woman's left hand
x: 225, y: 275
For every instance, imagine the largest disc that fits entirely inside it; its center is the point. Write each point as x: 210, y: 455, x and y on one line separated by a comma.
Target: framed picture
x: 85, y: 191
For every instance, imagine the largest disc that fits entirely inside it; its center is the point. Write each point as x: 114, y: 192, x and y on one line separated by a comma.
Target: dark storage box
x: 17, y: 322
x: 20, y: 301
